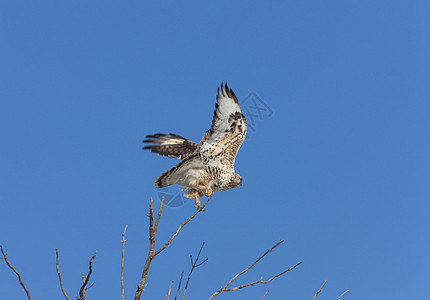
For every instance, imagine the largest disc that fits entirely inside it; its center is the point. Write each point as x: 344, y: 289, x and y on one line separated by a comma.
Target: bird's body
x: 206, y: 167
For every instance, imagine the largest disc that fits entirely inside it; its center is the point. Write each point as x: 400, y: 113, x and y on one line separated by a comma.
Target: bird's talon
x: 197, y: 203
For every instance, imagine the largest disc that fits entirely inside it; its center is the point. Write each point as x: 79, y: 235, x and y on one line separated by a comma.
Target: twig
x: 319, y: 291
x: 91, y: 285
x: 168, y: 291
x: 264, y: 295
x: 201, y: 208
x: 152, y: 232
x: 16, y: 272
x: 59, y: 275
x: 340, y: 297
x: 194, y: 265
x: 226, y: 289
x: 122, y: 263
x: 85, y: 280
x: 261, y: 280
x: 179, y: 285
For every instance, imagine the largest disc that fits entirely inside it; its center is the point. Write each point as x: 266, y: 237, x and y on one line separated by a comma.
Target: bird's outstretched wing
x: 170, y: 145
x: 220, y: 144
x: 179, y: 173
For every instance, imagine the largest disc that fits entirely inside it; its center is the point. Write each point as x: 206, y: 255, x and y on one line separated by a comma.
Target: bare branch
x: 260, y: 281
x: 168, y: 291
x: 152, y: 231
x: 150, y: 256
x: 122, y: 263
x: 226, y: 289
x: 194, y: 265
x: 201, y: 208
x: 158, y: 217
x: 59, y: 275
x: 254, y: 263
x: 340, y: 297
x: 15, y: 271
x: 319, y: 291
x: 179, y: 285
x: 264, y: 295
x: 85, y: 280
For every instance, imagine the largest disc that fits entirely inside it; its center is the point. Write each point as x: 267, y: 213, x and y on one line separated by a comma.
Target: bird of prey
x: 206, y: 167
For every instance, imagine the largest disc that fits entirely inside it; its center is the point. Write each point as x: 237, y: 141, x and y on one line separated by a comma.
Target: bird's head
x: 232, y: 182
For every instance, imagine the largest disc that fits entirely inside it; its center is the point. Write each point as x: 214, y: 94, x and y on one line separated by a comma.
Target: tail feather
x: 170, y: 145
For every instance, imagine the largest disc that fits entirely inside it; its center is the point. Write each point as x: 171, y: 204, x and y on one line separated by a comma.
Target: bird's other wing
x: 170, y: 145
x: 220, y: 144
x: 191, y: 166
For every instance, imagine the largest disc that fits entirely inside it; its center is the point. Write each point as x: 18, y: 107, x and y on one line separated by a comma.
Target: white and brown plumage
x: 206, y: 167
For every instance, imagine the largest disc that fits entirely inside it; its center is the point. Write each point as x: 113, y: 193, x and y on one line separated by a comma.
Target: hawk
x: 206, y: 167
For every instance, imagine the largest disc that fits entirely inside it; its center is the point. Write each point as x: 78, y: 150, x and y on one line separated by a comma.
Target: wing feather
x: 170, y: 145
x: 189, y: 167
x: 220, y: 144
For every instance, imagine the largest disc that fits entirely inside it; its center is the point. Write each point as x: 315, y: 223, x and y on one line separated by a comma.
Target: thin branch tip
x: 320, y: 290
x: 194, y: 265
x: 340, y: 297
x: 85, y: 287
x: 261, y: 281
x: 16, y: 272
x: 59, y: 275
x: 122, y: 262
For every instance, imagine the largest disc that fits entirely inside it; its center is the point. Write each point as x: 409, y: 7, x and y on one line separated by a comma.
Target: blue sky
x: 340, y: 169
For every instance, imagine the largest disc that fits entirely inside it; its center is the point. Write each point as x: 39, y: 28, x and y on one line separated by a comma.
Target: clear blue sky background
x: 340, y: 169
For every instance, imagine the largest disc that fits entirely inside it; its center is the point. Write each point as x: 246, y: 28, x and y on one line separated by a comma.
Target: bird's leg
x: 197, y: 200
x: 209, y: 193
